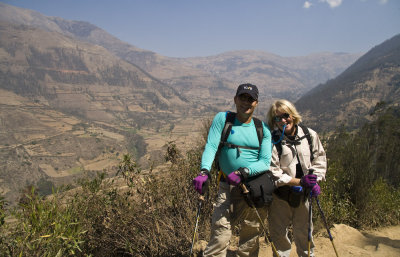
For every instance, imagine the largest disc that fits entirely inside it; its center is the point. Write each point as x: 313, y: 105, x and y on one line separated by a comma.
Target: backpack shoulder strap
x: 309, y: 139
x: 230, y: 119
x: 277, y: 142
x: 260, y: 131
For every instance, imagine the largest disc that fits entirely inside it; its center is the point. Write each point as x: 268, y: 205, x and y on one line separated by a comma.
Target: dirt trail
x: 383, y: 242
x: 349, y: 242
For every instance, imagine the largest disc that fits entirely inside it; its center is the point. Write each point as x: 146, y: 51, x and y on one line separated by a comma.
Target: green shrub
x: 45, y: 228
x: 383, y: 205
x: 362, y: 187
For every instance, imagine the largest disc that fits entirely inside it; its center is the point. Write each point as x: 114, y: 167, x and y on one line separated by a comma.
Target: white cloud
x: 332, y: 3
x: 380, y: 1
x: 335, y: 3
x: 307, y: 4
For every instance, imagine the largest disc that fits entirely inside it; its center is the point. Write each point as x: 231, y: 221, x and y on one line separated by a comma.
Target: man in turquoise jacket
x: 237, y: 165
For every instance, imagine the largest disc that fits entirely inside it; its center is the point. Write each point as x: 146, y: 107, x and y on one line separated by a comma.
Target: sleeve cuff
x: 284, y: 179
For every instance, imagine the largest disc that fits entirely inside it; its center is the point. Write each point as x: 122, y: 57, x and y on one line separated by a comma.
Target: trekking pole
x: 326, y: 225
x: 246, y: 192
x: 309, y: 222
x: 201, y: 198
x: 310, y: 171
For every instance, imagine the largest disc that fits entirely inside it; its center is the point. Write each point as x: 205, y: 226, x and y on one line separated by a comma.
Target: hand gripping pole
x: 310, y: 171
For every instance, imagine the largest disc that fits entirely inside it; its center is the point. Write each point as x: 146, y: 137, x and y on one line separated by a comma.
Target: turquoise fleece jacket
x: 230, y: 159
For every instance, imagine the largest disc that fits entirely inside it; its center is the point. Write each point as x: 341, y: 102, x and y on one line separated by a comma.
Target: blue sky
x: 188, y: 28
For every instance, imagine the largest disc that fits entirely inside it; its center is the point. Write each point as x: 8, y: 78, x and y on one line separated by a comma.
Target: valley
x: 40, y: 144
x: 74, y: 99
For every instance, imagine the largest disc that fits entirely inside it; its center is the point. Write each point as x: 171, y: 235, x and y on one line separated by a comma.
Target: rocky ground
x: 349, y: 242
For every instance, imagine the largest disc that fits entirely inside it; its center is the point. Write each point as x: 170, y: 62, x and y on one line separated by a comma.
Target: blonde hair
x: 283, y: 106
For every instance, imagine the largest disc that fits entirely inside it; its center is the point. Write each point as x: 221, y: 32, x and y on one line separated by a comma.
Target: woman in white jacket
x: 298, y: 163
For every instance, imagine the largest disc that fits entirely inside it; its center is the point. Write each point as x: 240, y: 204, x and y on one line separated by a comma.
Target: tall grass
x: 44, y: 228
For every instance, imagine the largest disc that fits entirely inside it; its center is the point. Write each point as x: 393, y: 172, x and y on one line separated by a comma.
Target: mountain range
x: 351, y: 99
x: 203, y: 78
x: 73, y: 98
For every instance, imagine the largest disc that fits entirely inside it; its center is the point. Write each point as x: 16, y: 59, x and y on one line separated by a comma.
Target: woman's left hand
x: 316, y: 190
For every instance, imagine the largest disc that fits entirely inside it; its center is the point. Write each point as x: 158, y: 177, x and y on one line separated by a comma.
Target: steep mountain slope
x: 204, y: 79
x: 68, y: 108
x: 78, y: 77
x: 184, y: 78
x: 371, y: 82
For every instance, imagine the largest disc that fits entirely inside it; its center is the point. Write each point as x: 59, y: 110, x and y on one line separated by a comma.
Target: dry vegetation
x: 140, y: 213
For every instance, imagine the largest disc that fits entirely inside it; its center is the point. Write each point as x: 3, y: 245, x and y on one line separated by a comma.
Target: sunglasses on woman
x: 283, y: 116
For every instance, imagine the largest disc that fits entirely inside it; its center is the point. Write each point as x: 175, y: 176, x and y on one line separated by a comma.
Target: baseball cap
x: 248, y: 89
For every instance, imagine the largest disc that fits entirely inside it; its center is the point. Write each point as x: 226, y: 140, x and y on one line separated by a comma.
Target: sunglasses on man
x: 283, y: 116
x: 246, y: 98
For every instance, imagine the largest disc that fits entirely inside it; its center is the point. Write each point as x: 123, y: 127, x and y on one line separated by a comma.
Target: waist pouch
x: 261, y: 188
x: 291, y: 196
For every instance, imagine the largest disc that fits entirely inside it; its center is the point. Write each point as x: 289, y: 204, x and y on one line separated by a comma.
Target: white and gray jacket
x: 284, y: 168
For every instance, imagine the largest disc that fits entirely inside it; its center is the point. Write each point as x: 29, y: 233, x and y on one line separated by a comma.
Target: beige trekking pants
x: 230, y: 210
x: 281, y: 215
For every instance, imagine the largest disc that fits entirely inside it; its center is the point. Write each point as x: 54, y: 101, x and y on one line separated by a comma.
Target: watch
x: 205, y: 172
x: 244, y: 172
